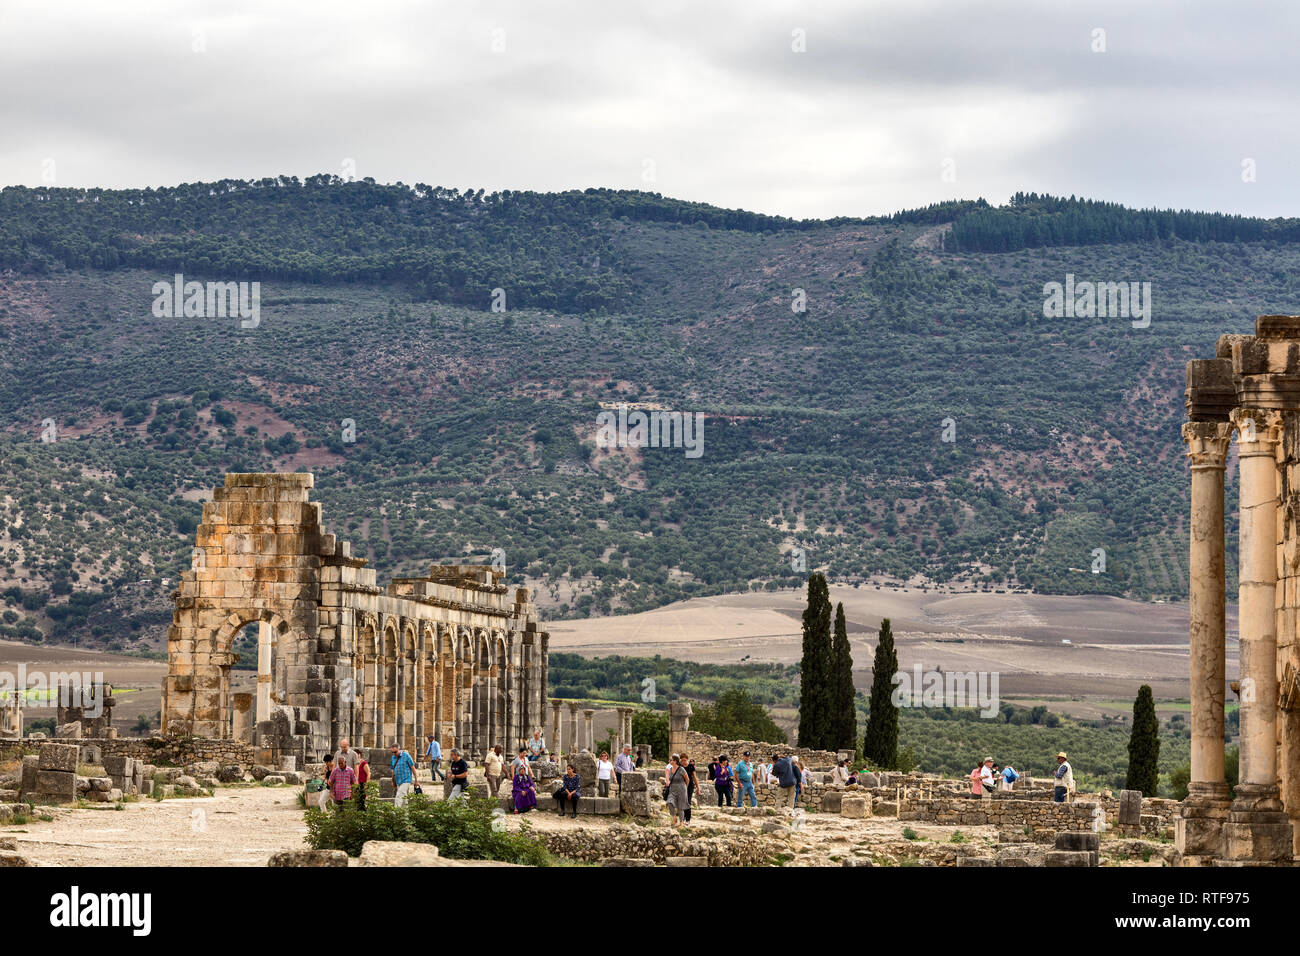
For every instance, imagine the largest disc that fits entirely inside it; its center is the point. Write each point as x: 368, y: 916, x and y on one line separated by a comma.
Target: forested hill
x: 884, y: 394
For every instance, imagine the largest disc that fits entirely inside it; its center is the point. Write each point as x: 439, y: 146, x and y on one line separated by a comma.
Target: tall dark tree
x: 880, y: 745
x: 1144, y: 745
x: 843, y: 716
x: 814, y: 670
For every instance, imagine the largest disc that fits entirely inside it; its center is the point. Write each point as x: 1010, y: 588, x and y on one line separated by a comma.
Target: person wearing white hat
x: 986, y: 776
x: 1064, y: 775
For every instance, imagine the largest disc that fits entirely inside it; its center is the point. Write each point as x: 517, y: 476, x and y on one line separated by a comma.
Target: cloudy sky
x: 806, y: 109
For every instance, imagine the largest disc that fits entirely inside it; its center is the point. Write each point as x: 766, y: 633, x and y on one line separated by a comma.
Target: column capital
x: 1258, y: 430
x: 1207, y: 443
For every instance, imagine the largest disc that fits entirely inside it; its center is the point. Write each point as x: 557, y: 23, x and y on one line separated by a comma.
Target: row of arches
x: 471, y: 687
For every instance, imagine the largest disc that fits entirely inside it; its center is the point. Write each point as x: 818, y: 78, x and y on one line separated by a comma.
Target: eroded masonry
x: 456, y: 654
x: 1251, y: 388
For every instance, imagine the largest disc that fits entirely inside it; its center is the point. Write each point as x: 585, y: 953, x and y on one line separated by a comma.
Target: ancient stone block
x: 831, y: 802
x: 686, y: 861
x: 855, y: 807
x: 386, y: 853
x: 55, y: 786
x: 61, y: 757
x: 1130, y: 808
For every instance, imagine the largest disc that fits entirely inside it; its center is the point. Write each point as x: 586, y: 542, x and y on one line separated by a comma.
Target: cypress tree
x: 1144, y: 745
x: 843, y: 720
x: 880, y: 745
x: 814, y: 670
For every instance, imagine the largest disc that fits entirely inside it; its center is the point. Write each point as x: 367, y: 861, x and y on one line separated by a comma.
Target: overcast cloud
x: 698, y: 100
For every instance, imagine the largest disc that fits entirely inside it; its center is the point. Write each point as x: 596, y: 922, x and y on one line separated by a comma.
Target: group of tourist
x: 988, y: 777
x: 783, y: 771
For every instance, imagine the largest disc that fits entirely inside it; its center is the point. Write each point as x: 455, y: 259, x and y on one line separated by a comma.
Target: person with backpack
x: 786, y: 778
x: 403, y: 775
x: 1009, y: 778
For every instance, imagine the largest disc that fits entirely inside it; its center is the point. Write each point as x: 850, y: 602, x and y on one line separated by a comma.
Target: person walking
x: 722, y: 781
x: 341, y: 782
x: 1064, y: 775
x: 692, y: 785
x: 623, y: 763
x: 745, y: 782
x: 434, y: 753
x: 570, y: 791
x: 678, y: 799
x: 494, y: 766
x: 604, y: 772
x: 403, y: 775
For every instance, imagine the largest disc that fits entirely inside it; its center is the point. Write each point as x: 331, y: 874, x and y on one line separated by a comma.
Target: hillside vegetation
x: 919, y: 421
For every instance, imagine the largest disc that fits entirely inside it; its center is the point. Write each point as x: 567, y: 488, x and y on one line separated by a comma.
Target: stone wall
x: 159, y: 751
x: 703, y: 748
x: 645, y: 843
x: 974, y: 811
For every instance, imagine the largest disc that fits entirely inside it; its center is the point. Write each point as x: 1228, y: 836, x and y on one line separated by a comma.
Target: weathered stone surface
x: 71, y: 730
x: 686, y: 861
x: 230, y: 773
x: 855, y: 807
x: 832, y: 802
x: 54, y: 786
x: 1130, y: 808
x: 14, y: 860
x: 61, y: 757
x: 625, y: 861
x: 1076, y: 840
x: 1070, y: 858
x: 309, y: 858
x: 389, y: 853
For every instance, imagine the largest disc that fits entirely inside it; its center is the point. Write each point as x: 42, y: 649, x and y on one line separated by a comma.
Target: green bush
x: 460, y: 829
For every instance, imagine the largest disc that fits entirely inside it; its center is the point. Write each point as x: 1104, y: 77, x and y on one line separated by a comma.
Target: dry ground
x: 1113, y: 642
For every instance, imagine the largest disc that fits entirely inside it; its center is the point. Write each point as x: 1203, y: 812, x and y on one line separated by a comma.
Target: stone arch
x: 274, y: 638
x: 366, y: 681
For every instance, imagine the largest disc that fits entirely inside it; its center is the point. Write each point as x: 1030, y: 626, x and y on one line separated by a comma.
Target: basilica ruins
x: 456, y: 653
x: 1251, y: 387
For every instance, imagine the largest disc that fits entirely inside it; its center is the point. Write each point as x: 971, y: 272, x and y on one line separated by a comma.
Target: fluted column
x: 571, y: 739
x: 554, y: 745
x: 1198, y: 832
x: 587, y: 729
x: 1258, y: 829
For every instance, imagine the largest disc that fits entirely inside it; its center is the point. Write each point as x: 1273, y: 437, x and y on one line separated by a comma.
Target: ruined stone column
x: 242, y: 721
x: 554, y: 746
x: 1258, y: 829
x: 263, y: 671
x: 572, y: 739
x: 679, y: 721
x: 591, y: 740
x: 1199, y: 831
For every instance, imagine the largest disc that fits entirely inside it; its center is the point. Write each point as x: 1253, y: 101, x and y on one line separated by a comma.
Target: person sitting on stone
x: 521, y: 762
x: 569, y: 792
x: 458, y: 774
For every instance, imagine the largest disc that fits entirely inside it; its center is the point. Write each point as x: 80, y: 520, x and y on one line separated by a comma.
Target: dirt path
x: 239, y: 826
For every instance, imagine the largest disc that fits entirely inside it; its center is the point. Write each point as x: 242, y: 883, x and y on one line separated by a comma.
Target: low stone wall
x: 974, y: 811
x: 704, y: 748
x: 645, y: 843
x: 159, y: 751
